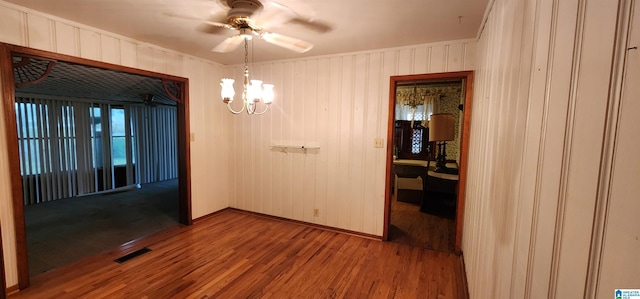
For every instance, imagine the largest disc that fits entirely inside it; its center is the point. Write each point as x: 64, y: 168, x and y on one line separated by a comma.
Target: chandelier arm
x: 263, y: 111
x: 236, y: 112
x: 251, y: 108
x: 252, y: 92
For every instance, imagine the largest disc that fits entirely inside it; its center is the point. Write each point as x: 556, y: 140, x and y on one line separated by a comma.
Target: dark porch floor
x: 67, y: 230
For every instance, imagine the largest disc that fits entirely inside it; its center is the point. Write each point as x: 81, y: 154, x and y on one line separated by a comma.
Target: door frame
x: 8, y: 100
x: 464, y: 145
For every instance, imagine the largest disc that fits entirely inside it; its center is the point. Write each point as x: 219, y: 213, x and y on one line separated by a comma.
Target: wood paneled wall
x: 542, y: 153
x: 339, y: 103
x: 210, y: 124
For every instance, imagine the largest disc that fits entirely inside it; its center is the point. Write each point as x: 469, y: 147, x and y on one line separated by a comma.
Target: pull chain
x: 246, y: 54
x: 246, y: 68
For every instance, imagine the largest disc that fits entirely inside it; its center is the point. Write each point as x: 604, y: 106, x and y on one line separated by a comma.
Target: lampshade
x: 227, y: 91
x: 267, y: 93
x: 442, y: 127
x: 255, y: 91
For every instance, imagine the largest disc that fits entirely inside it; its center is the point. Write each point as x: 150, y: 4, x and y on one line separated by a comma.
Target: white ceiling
x: 357, y: 25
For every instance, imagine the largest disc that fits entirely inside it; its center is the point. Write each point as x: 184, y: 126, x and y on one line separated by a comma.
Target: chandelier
x: 412, y: 98
x: 253, y: 91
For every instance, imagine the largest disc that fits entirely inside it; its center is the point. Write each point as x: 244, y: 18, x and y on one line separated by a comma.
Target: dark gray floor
x: 67, y: 230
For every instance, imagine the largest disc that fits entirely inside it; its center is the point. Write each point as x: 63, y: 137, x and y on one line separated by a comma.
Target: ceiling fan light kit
x: 246, y: 17
x: 253, y: 91
x: 243, y: 8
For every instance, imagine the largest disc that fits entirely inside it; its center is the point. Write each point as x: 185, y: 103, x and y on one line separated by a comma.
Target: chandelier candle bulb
x: 267, y: 93
x: 227, y: 91
x: 255, y: 91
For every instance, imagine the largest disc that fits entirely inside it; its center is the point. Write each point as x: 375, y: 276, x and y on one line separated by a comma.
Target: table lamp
x: 442, y: 129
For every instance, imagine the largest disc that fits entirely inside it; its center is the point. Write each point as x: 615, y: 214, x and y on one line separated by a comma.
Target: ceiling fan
x: 251, y: 17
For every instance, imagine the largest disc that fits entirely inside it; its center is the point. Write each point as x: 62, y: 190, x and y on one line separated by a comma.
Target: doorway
x: 175, y: 87
x: 426, y: 173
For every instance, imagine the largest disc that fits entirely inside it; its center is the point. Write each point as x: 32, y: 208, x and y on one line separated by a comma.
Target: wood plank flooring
x: 410, y: 226
x: 239, y: 255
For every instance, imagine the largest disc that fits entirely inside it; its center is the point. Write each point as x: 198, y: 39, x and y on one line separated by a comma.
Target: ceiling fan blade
x: 229, y: 44
x: 207, y: 26
x: 272, y: 15
x: 218, y: 24
x: 181, y: 16
x: 212, y: 20
x: 314, y: 25
x: 288, y: 42
x: 210, y: 29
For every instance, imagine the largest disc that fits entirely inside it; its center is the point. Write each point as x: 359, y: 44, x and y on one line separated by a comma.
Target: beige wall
x: 209, y: 121
x: 549, y: 174
x: 339, y: 103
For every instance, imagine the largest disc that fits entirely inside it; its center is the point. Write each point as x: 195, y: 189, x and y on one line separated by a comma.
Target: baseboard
x: 201, y: 218
x: 12, y: 290
x: 318, y: 226
x: 463, y: 287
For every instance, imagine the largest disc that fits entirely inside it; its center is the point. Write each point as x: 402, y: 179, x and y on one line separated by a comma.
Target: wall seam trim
x: 567, y: 151
x: 609, y: 142
x: 542, y: 144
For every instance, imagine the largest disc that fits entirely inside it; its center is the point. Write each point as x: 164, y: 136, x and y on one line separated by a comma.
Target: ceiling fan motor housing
x: 243, y: 8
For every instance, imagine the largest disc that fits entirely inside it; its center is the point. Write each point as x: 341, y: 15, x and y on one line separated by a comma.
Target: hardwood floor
x: 412, y: 227
x: 239, y: 255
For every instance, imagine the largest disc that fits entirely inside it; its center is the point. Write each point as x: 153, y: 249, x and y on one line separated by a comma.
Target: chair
x: 409, y: 180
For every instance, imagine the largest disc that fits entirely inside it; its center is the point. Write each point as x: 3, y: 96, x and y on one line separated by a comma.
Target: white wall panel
x: 110, y: 49
x: 542, y: 90
x: 421, y: 60
x: 406, y: 62
x: 345, y: 126
x: 175, y: 65
x: 310, y: 98
x: 89, y: 44
x: 470, y: 53
x: 160, y: 60
x: 374, y: 103
x: 39, y: 29
x: 144, y: 55
x: 438, y: 59
x: 455, y: 57
x: 210, y: 122
x: 66, y: 37
x: 619, y: 261
x: 331, y: 145
x: 495, y: 168
x: 590, y: 102
x: 209, y: 126
x: 12, y: 24
x: 297, y: 114
x: 128, y: 53
x: 337, y: 102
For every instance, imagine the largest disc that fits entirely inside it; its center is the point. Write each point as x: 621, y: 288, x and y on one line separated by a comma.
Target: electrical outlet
x: 378, y: 142
x: 316, y: 213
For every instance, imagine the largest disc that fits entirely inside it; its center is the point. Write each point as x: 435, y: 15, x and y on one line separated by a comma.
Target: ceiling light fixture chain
x: 253, y: 91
